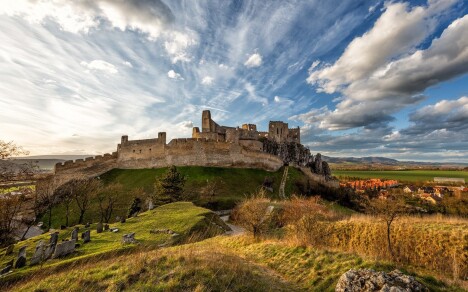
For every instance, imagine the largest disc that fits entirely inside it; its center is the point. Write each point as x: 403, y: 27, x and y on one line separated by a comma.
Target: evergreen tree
x: 170, y: 188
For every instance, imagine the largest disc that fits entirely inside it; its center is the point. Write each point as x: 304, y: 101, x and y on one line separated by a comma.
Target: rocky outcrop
x: 288, y: 152
x: 367, y: 280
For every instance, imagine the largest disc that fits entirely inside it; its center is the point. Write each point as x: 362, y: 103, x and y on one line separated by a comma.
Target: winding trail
x: 283, y: 183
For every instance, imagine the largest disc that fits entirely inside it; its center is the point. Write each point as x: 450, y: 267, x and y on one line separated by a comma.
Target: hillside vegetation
x: 183, y: 218
x: 222, y: 263
x: 230, y: 185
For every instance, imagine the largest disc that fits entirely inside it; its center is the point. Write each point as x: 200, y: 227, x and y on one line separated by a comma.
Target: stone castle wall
x: 198, y: 152
x: 151, y: 153
x: 85, y: 168
x: 214, y: 145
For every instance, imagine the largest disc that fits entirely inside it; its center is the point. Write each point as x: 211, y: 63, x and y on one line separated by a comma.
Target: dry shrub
x: 254, y: 214
x: 305, y: 217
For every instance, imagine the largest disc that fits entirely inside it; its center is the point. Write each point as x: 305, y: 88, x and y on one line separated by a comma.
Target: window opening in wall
x: 150, y: 149
x: 277, y: 131
x: 133, y: 150
x: 140, y: 150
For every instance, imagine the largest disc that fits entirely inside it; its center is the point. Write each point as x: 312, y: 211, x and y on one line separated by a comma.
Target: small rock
x: 86, y: 236
x: 21, y: 259
x: 7, y: 268
x: 129, y: 238
x: 9, y: 249
x: 99, y: 227
x: 64, y: 248
x: 369, y: 280
x: 74, y: 234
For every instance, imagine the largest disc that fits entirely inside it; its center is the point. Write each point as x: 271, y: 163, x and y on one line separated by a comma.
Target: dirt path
x: 282, y: 194
x: 235, y: 230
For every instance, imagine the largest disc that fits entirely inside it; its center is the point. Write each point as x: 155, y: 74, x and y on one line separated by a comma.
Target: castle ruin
x: 214, y: 145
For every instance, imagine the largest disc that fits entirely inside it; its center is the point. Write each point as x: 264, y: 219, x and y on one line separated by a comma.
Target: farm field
x: 402, y: 175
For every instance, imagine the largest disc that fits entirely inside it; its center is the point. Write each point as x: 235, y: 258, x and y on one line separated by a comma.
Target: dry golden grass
x: 435, y: 243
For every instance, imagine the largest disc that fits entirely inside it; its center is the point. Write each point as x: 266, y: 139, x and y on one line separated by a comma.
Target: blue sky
x: 361, y: 78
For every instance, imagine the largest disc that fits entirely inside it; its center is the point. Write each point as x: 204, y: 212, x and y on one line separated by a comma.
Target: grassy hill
x: 232, y: 185
x: 203, y: 263
x: 221, y: 263
x: 184, y: 218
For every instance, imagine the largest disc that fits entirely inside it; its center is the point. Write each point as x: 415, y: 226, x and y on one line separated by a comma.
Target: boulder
x: 38, y: 255
x: 64, y: 248
x: 9, y: 249
x: 367, y: 280
x: 99, y: 227
x: 86, y: 236
x: 21, y: 259
x: 48, y: 251
x: 129, y: 238
x: 53, y: 238
x: 74, y: 234
x: 7, y: 268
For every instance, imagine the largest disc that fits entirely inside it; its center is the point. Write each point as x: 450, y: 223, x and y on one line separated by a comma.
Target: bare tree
x: 10, y: 206
x: 83, y: 190
x: 45, y: 198
x: 9, y: 149
x: 389, y: 210
x: 107, y: 197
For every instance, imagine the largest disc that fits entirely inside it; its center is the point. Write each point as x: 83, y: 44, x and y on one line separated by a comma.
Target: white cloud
x: 81, y: 16
x: 277, y: 98
x: 178, y: 46
x: 128, y: 64
x: 373, y: 86
x: 253, y: 96
x: 207, y: 80
x: 173, y: 75
x: 254, y: 60
x: 396, y: 32
x: 100, y: 65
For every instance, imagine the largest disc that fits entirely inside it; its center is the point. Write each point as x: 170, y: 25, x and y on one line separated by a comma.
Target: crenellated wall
x: 85, y: 168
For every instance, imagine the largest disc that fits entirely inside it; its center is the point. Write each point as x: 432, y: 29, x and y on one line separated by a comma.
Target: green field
x: 233, y: 185
x: 402, y: 175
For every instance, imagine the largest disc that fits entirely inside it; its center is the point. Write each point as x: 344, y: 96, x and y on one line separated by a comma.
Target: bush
x: 254, y: 214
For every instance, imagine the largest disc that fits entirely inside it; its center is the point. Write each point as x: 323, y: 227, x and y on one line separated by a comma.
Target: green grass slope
x: 402, y: 175
x: 221, y: 263
x: 233, y: 184
x: 184, y: 218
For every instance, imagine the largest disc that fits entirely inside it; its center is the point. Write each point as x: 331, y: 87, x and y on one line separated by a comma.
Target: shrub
x: 254, y: 214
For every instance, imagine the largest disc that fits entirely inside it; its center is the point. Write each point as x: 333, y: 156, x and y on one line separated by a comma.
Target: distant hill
x: 374, y: 162
x: 47, y: 162
x: 369, y: 159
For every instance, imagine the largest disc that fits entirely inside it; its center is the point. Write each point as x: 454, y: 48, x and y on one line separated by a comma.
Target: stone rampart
x: 200, y: 152
x: 85, y: 168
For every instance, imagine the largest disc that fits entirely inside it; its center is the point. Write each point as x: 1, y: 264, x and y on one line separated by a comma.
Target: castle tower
x: 206, y: 121
x: 278, y: 131
x: 162, y: 137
